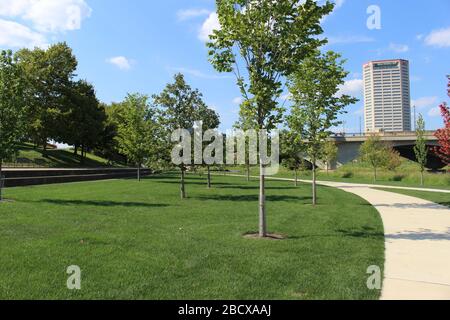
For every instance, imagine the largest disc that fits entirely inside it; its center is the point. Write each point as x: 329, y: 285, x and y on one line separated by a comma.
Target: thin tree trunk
x: 1, y: 180
x: 375, y: 174
x: 183, y: 189
x: 296, y: 177
x: 328, y: 167
x: 209, y: 177
x: 314, y: 183
x: 139, y: 172
x: 422, y: 180
x: 248, y: 172
x: 75, y: 151
x: 262, y: 203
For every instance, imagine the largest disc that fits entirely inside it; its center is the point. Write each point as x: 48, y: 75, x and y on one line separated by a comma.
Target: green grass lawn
x: 34, y: 157
x: 405, y: 176
x: 140, y: 241
x: 437, y: 197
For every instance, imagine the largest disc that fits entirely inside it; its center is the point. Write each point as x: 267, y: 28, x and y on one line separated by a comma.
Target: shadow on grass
x: 103, y: 203
x: 249, y: 198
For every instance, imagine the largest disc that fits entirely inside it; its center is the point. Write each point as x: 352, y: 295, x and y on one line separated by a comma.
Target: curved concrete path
x: 417, y: 235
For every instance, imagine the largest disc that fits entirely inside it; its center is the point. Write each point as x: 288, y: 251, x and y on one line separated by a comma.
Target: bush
x: 398, y: 177
x: 347, y: 175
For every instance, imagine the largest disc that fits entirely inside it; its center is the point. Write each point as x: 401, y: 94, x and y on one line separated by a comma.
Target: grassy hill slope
x: 30, y: 157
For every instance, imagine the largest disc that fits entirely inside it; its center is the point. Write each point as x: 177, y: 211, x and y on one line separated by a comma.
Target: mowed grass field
x: 140, y: 241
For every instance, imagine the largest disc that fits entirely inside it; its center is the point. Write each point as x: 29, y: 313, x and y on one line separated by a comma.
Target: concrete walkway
x: 417, y: 234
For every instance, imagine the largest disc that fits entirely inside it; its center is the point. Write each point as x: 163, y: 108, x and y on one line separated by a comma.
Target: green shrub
x: 347, y: 175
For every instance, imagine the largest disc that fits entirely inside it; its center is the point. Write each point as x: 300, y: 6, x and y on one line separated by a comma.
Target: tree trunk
x: 314, y: 183
x: 139, y: 172
x: 262, y: 203
x: 1, y: 180
x: 183, y: 189
x: 209, y: 177
x: 422, y: 180
x: 75, y: 150
x: 375, y: 174
x: 248, y: 172
x: 328, y: 167
x: 296, y: 177
x: 44, y: 147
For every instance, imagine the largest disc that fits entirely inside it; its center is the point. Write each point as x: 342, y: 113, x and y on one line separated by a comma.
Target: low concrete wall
x: 30, y: 177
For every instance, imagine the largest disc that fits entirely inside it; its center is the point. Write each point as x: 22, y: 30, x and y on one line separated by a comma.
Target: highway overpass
x: 404, y: 142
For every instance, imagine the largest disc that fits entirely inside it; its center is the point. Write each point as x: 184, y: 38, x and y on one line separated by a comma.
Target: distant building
x: 387, y: 97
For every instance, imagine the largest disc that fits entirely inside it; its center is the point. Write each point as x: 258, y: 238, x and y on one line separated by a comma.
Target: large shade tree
x: 270, y: 39
x: 317, y: 103
x: 12, y: 108
x: 49, y: 75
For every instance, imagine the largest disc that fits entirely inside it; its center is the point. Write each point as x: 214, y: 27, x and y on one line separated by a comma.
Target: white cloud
x: 48, y: 15
x: 187, y: 14
x: 435, y: 112
x: 198, y: 74
x: 352, y: 87
x: 424, y: 102
x: 13, y: 34
x: 349, y: 39
x: 121, y: 62
x: 211, y: 23
x: 439, y: 38
x: 238, y: 100
x: 339, y: 3
x: 398, y: 48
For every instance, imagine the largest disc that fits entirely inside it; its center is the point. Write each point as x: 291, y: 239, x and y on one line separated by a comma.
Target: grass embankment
x: 436, y: 197
x: 407, y: 175
x: 140, y: 241
x: 30, y: 157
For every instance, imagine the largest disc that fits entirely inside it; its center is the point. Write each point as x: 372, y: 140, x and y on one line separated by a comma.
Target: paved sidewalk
x: 417, y: 234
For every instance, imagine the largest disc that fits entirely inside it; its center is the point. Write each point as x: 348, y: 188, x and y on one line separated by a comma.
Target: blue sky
x: 137, y: 45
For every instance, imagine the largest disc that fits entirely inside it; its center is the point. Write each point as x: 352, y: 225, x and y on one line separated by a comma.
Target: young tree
x: 271, y: 38
x: 443, y: 151
x: 330, y: 153
x: 292, y: 153
x: 374, y: 152
x: 135, y: 133
x: 178, y: 106
x: 210, y: 120
x: 316, y: 104
x: 420, y: 149
x: 12, y: 108
x: 245, y: 123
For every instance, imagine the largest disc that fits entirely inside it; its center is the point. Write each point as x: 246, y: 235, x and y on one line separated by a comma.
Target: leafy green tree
x: 271, y: 38
x: 178, y: 107
x: 135, y: 132
x: 420, y: 149
x: 12, y: 108
x: 330, y: 153
x: 49, y: 75
x: 211, y: 121
x: 375, y: 153
x: 244, y: 123
x: 292, y: 151
x: 83, y: 118
x: 316, y: 103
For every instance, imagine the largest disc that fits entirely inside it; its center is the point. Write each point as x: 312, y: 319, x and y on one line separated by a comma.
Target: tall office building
x: 387, y: 97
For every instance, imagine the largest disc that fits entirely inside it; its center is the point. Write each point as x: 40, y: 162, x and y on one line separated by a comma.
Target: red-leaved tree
x: 443, y: 151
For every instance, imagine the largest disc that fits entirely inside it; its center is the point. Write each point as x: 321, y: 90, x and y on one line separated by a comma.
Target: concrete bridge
x: 404, y: 142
